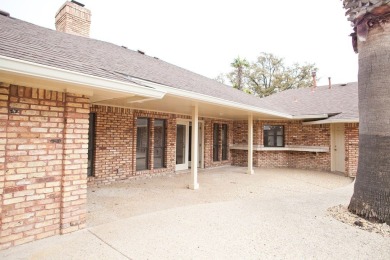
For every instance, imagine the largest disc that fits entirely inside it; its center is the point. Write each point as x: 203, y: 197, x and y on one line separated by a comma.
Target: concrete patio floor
x: 275, y: 213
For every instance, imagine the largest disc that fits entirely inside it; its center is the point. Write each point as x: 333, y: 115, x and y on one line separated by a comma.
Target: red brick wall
x: 269, y: 159
x: 307, y: 135
x: 351, y: 148
x: 309, y: 161
x: 75, y: 163
x: 240, y: 132
x: 116, y: 132
x: 298, y: 134
x: 113, y: 144
x: 266, y: 159
x: 208, y: 143
x: 115, y: 140
x: 42, y: 176
x: 295, y: 134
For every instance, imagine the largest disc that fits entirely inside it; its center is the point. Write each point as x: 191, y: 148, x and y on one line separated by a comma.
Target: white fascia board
x: 210, y: 99
x: 47, y: 72
x: 332, y: 121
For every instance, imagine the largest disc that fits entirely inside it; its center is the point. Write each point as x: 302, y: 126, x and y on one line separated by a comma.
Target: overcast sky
x: 205, y: 36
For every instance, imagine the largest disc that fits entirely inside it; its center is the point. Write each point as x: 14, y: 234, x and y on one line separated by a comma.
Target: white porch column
x: 250, y: 144
x: 194, y: 185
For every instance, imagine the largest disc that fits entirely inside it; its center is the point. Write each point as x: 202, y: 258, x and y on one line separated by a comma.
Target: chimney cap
x: 78, y: 3
x: 4, y: 13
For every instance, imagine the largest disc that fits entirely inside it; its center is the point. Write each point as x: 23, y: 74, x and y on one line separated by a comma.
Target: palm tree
x: 239, y: 65
x: 371, y: 39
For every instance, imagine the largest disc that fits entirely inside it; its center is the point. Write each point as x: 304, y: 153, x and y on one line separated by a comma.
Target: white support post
x: 250, y: 144
x: 194, y: 185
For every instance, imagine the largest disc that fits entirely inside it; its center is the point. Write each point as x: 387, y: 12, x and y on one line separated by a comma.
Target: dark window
x: 142, y: 144
x: 159, y: 143
x: 273, y: 136
x: 216, y: 135
x: 180, y: 144
x: 91, y: 144
x: 225, y: 142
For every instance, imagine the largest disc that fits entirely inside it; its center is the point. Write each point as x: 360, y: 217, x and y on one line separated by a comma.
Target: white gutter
x: 332, y: 121
x: 47, y: 72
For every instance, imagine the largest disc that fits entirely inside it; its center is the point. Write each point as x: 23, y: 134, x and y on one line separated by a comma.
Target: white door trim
x: 183, y: 166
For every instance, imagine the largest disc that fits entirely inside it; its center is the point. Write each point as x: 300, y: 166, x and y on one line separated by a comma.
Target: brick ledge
x: 297, y: 148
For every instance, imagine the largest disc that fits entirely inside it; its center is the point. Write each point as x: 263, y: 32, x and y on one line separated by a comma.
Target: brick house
x: 76, y: 111
x: 327, y: 139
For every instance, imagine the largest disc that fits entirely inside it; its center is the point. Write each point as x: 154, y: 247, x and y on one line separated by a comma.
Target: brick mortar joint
x: 66, y: 126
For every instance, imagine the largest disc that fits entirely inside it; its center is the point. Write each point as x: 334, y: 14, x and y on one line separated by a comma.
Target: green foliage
x: 268, y: 75
x: 237, y: 76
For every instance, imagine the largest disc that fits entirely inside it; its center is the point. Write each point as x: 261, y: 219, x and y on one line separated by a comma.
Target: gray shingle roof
x: 25, y: 41
x: 29, y: 42
x: 341, y: 100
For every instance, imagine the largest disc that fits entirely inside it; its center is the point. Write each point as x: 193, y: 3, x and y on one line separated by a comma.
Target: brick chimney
x: 73, y: 18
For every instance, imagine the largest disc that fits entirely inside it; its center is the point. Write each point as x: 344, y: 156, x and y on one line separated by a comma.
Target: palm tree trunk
x: 371, y: 198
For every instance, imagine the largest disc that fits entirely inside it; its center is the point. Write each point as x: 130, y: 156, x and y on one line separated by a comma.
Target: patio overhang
x: 180, y: 101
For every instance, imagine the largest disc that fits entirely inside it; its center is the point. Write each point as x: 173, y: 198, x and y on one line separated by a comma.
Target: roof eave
x: 332, y: 121
x: 210, y: 99
x: 52, y: 73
